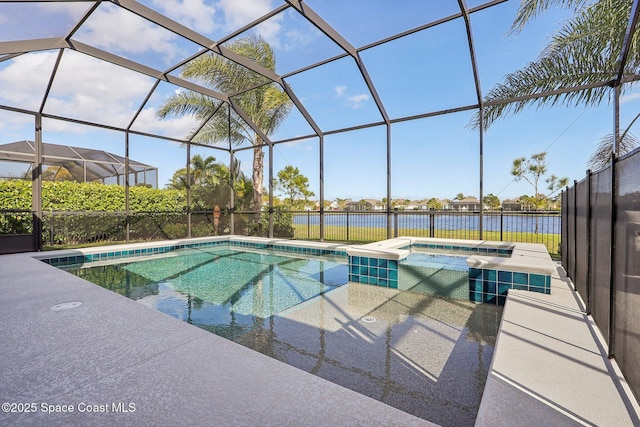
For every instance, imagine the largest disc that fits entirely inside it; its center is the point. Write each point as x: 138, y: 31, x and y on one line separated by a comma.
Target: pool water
x: 420, y: 353
x: 226, y: 291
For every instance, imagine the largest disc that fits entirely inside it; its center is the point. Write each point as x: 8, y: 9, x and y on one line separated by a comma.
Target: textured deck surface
x: 110, y: 352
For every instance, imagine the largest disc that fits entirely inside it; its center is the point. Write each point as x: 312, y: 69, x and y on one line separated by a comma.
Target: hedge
x: 90, y: 197
x: 96, y: 213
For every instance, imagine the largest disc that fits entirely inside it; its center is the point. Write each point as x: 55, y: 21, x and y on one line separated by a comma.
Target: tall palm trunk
x: 258, y: 165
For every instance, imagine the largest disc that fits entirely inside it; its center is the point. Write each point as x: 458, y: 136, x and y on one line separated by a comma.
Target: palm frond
x: 583, y: 52
x: 188, y: 103
x: 601, y: 156
x: 530, y: 9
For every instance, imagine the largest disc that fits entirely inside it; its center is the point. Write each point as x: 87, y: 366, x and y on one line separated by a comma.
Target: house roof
x: 467, y: 200
x: 83, y: 163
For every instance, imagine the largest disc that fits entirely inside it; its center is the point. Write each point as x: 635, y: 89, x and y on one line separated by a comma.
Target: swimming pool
x: 293, y: 301
x: 226, y: 290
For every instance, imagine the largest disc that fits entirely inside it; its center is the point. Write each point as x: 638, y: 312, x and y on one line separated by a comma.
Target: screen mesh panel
x: 582, y: 239
x: 627, y: 265
x: 601, y: 249
x: 571, y: 240
x: 563, y: 226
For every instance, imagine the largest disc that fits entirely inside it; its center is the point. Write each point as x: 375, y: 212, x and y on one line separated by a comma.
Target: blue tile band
x: 491, y: 286
x: 132, y: 253
x: 374, y: 271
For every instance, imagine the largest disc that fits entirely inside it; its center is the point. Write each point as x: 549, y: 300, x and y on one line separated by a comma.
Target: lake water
x: 546, y: 223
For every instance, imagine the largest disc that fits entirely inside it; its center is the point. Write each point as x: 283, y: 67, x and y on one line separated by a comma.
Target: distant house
x: 512, y: 205
x: 466, y: 204
x: 398, y: 204
x: 426, y: 205
x: 365, y: 205
x: 418, y: 205
x: 446, y: 204
x: 333, y: 206
x: 376, y: 205
x: 362, y: 205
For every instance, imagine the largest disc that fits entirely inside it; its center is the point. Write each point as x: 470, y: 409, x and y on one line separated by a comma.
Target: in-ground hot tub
x: 478, y: 270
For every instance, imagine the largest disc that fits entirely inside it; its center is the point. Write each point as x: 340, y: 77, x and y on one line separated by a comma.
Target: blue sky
x: 421, y: 73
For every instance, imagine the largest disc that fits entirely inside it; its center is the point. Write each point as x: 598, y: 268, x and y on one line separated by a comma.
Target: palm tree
x: 263, y: 102
x: 202, y: 171
x: 584, y: 51
x: 601, y: 156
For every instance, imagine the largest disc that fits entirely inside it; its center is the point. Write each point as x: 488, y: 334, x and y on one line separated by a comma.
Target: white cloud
x: 12, y: 126
x: 195, y: 14
x: 240, y: 13
x: 89, y: 89
x: 269, y: 30
x: 297, y: 38
x: 179, y: 127
x: 52, y: 125
x: 84, y: 88
x: 340, y: 90
x: 356, y: 101
x: 117, y: 30
x: 73, y: 11
x: 353, y: 101
x: 302, y: 144
x: 25, y: 79
x: 630, y: 97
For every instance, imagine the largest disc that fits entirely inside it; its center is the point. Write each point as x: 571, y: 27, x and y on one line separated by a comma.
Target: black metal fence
x: 346, y: 226
x: 601, y: 254
x: 60, y: 229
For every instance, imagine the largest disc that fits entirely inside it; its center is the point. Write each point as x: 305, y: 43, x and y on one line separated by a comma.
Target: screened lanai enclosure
x: 74, y: 163
x: 271, y: 117
x: 369, y: 101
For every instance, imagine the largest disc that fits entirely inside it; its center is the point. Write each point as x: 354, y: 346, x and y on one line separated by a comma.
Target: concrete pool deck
x: 549, y: 367
x: 171, y: 372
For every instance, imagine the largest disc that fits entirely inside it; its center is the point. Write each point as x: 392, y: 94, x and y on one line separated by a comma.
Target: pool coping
x: 134, y: 250
x: 526, y: 257
x: 494, y: 267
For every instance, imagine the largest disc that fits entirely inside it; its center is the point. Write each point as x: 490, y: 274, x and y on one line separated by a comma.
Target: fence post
x: 588, y: 215
x: 52, y: 230
x: 395, y: 222
x: 575, y: 234
x: 613, y: 273
x: 347, y: 226
x: 308, y: 224
x: 501, y: 221
x: 432, y: 223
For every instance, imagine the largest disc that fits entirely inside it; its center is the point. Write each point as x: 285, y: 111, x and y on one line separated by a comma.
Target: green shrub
x: 282, y: 224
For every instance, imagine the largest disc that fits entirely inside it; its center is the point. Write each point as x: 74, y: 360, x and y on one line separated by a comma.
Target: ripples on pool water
x: 420, y: 353
x: 222, y: 290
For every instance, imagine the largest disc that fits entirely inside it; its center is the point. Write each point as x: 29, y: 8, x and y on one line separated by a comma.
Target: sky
x: 421, y: 73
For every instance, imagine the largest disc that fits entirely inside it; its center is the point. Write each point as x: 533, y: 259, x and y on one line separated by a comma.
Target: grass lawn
x: 358, y: 235
x: 372, y: 234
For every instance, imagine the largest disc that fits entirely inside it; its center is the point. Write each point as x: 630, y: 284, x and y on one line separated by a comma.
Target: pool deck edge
x: 550, y: 366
